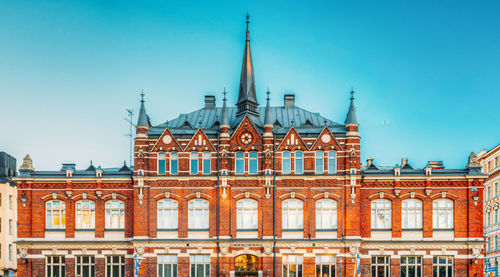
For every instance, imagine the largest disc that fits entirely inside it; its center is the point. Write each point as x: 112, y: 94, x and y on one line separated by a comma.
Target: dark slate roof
x: 351, y: 117
x: 107, y: 172
x: 306, y: 122
x: 389, y: 171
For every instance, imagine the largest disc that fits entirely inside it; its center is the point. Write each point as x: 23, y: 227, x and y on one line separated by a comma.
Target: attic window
x: 186, y: 125
x: 308, y: 123
x: 277, y: 124
x: 216, y: 124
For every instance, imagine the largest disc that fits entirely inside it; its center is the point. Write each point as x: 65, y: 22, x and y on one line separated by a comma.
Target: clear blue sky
x: 426, y: 73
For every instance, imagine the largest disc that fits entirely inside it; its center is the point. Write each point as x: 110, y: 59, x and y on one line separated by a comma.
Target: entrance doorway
x: 246, y: 265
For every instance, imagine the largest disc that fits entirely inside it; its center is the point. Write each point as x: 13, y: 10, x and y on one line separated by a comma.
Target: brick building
x: 251, y: 190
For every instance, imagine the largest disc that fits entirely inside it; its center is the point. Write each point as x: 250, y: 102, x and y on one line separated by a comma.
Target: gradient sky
x: 426, y: 73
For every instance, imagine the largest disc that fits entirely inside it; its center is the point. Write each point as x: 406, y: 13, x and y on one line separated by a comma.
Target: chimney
x: 209, y: 102
x: 289, y: 100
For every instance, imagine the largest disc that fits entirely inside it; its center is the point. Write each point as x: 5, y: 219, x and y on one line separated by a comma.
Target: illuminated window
x: 115, y: 214
x: 162, y: 163
x: 319, y: 162
x: 174, y: 163
x: 332, y: 162
x: 325, y: 266
x: 253, y: 163
x: 326, y: 214
x: 247, y: 214
x: 286, y: 163
x: 240, y: 163
x: 442, y: 214
x: 381, y: 214
x: 292, y: 214
x: 56, y: 214
x: 167, y: 214
x: 299, y: 162
x: 198, y: 214
x: 292, y: 266
x: 412, y: 214
x: 85, y: 214
x: 194, y: 162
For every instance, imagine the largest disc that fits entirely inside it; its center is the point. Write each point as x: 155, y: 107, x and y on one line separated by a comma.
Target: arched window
x: 292, y: 214
x: 174, y: 163
x: 198, y: 214
x: 299, y: 162
x: 326, y: 214
x: 247, y: 214
x: 167, y: 214
x: 332, y: 162
x: 55, y: 214
x: 206, y: 163
x: 286, y: 166
x: 411, y: 214
x: 194, y: 162
x: 319, y: 162
x: 240, y: 163
x: 253, y: 163
x: 162, y: 163
x: 85, y: 214
x: 381, y: 214
x: 115, y: 214
x: 442, y: 214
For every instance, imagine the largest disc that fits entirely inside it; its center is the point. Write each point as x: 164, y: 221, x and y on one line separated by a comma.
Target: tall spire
x: 224, y: 117
x: 267, y: 117
x: 351, y: 114
x: 247, y: 99
x: 142, y: 121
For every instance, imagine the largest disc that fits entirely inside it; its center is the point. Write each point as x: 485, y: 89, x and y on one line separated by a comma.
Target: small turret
x: 351, y: 121
x: 224, y: 124
x: 143, y: 121
x: 268, y: 121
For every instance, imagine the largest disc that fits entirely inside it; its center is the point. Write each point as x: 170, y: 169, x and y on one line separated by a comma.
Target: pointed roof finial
x: 248, y: 32
x: 142, y: 96
x: 351, y: 114
x: 267, y: 117
x: 142, y: 121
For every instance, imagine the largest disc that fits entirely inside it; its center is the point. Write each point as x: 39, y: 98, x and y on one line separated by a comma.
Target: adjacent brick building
x: 251, y: 190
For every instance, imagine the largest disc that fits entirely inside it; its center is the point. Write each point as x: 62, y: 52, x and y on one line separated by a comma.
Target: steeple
x: 142, y: 121
x: 224, y: 122
x: 247, y: 99
x: 267, y: 117
x: 351, y: 114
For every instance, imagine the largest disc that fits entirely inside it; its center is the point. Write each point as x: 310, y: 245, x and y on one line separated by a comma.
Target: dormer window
x: 162, y: 163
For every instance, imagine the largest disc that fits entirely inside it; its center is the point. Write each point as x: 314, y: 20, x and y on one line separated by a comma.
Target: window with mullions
x: 292, y: 266
x: 411, y: 266
x: 198, y: 214
x: 253, y: 163
x: 162, y: 163
x: 247, y: 214
x: 200, y: 265
x: 442, y: 214
x: 381, y: 266
x: 240, y: 163
x: 206, y: 163
x: 167, y: 214
x: 286, y: 163
x: 299, y: 163
x: 292, y: 214
x: 381, y: 214
x: 326, y: 214
x: 115, y: 266
x: 496, y: 217
x: 488, y: 219
x: 332, y: 162
x: 56, y: 266
x: 319, y: 162
x: 325, y: 266
x: 412, y: 214
x: 55, y: 214
x: 174, y: 163
x: 167, y: 266
x: 442, y: 267
x: 115, y: 214
x: 85, y: 214
x: 194, y: 162
x: 85, y: 266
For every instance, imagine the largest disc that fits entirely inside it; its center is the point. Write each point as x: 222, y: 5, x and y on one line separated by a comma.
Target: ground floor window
x: 115, y: 266
x: 56, y: 266
x: 200, y: 265
x: 411, y: 266
x: 167, y: 266
x: 85, y: 266
x: 442, y: 267
x: 325, y: 266
x: 381, y: 266
x: 292, y: 266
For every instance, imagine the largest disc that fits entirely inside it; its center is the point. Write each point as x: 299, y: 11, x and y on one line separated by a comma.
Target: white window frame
x: 167, y: 214
x: 162, y: 163
x: 292, y: 214
x: 194, y: 167
x: 384, y: 265
x: 253, y: 159
x: 247, y: 211
x: 332, y: 162
x: 80, y: 265
x: 326, y: 215
x: 411, y: 214
x: 206, y: 163
x: 438, y: 263
x: 293, y: 262
x: 120, y: 264
x: 174, y: 159
x: 443, y: 207
x: 381, y: 214
x: 239, y: 163
x: 299, y: 163
x: 51, y: 212
x: 328, y: 261
x: 113, y: 211
x: 196, y: 261
x: 84, y: 208
x: 319, y: 162
x: 406, y: 265
x: 167, y: 263
x: 60, y: 265
x: 198, y: 214
x: 286, y: 163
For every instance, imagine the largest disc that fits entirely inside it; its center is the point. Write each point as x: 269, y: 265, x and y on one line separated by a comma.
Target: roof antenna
x: 130, y: 134
x: 352, y: 93
x: 248, y: 33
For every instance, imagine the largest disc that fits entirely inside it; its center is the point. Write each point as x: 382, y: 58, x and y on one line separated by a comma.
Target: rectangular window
x: 194, y: 163
x: 411, y: 266
x: 319, y: 162
x: 10, y: 202
x: 174, y: 163
x: 55, y: 266
x: 0, y: 200
x: 10, y: 227
x: 206, y: 163
x: 326, y: 215
x: 286, y: 166
x: 167, y: 266
x: 381, y: 266
x: 85, y: 266
x: 442, y: 214
x: 115, y: 214
x: 496, y: 189
x: 292, y: 215
x: 200, y: 265
x: 299, y: 163
x: 247, y: 214
x: 488, y: 196
x: 253, y: 163
x: 85, y: 214
x: 162, y: 163
x: 412, y: 214
x: 496, y: 216
x: 55, y: 214
x: 167, y: 214
x: 292, y: 266
x: 381, y: 214
x: 240, y: 163
x: 115, y: 266
x: 11, y: 252
x: 332, y: 162
x: 198, y: 217
x: 325, y: 266
x: 442, y: 267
